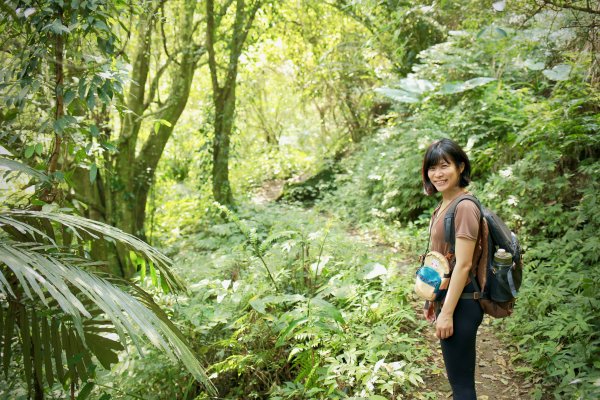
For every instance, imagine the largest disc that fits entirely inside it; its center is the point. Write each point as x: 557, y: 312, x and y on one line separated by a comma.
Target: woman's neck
x: 451, y: 194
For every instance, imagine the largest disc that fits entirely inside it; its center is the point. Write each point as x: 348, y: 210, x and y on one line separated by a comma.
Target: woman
x: 446, y: 169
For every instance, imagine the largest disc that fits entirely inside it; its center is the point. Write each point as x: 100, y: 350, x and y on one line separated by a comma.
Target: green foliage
x: 532, y: 135
x: 60, y: 316
x: 282, y: 303
x: 34, y: 76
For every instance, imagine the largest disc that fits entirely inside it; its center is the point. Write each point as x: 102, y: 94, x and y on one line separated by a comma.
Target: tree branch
x: 154, y: 84
x: 210, y: 44
x: 6, y: 8
x: 566, y: 5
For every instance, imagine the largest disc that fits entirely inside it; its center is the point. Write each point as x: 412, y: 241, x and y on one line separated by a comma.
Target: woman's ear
x: 461, y: 167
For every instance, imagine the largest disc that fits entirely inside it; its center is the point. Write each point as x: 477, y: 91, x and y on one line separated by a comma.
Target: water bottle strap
x: 511, y: 283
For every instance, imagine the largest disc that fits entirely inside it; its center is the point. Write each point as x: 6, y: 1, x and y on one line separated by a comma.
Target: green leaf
x: 47, y: 343
x: 142, y: 270
x: 85, y: 391
x: 259, y: 305
x: 90, y: 99
x: 153, y: 276
x: 82, y: 88
x: 57, y: 349
x: 56, y: 27
x: 559, y: 72
x: 1, y: 326
x: 39, y: 148
x: 105, y: 349
x: 68, y: 97
x: 284, y: 335
x: 26, y: 347
x: 401, y: 96
x: 38, y: 357
x: 534, y: 65
x: 100, y: 25
x: 93, y: 172
x: 165, y: 122
x: 416, y: 86
x: 9, y: 327
x: 29, y: 150
x: 459, y: 87
x: 328, y: 309
x: 501, y: 32
x: 13, y: 165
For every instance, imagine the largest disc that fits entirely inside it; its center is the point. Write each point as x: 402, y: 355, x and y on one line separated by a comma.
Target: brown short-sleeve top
x: 466, y: 224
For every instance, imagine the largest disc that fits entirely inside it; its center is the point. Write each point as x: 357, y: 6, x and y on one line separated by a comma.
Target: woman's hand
x: 429, y: 312
x: 444, y: 326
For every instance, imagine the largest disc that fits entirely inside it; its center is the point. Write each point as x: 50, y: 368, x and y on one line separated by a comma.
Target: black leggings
x: 459, y: 349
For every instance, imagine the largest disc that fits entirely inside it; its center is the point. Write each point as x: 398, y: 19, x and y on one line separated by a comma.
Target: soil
x: 269, y: 191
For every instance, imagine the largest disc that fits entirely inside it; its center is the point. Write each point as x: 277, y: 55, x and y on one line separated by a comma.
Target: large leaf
x: 83, y: 228
x: 416, y: 86
x: 17, y: 166
x: 459, y: 87
x: 559, y: 72
x: 399, y: 95
x: 133, y: 316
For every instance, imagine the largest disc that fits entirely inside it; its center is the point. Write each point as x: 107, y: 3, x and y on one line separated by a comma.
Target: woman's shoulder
x: 467, y: 207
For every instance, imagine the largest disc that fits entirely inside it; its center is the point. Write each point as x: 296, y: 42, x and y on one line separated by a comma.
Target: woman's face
x: 445, y: 175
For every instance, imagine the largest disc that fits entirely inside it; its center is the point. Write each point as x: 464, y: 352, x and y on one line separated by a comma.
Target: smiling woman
x: 446, y: 169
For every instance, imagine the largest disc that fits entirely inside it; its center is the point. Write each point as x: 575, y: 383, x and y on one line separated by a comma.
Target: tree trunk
x: 119, y: 197
x: 224, y: 94
x: 224, y: 112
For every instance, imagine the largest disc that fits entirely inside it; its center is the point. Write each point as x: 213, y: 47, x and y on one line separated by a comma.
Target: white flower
x: 506, y: 173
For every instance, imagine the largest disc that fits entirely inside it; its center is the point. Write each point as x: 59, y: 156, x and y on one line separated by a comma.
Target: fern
x: 306, y: 363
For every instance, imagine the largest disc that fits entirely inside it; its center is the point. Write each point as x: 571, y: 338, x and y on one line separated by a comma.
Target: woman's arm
x: 464, y: 249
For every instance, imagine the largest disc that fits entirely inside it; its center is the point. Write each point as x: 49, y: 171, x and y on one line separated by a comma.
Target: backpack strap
x: 450, y: 236
x: 449, y: 232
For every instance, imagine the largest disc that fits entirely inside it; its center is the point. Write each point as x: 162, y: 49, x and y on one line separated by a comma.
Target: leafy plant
x: 60, y: 316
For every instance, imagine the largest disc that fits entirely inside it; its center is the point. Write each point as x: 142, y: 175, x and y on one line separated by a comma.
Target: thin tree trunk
x: 224, y: 113
x: 224, y: 95
x: 120, y: 198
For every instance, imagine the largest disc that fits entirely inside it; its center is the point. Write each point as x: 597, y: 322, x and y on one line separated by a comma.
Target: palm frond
x: 51, y: 347
x: 19, y: 167
x: 40, y: 273
x: 24, y: 222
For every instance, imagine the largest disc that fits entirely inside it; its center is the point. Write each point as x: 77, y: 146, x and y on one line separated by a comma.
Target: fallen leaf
x: 487, y: 376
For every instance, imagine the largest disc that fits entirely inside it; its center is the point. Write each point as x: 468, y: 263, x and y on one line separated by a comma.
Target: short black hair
x: 449, y: 151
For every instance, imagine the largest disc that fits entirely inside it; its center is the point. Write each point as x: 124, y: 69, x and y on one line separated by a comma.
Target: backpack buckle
x: 476, y: 295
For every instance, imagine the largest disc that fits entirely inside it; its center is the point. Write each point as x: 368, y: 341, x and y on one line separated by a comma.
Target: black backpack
x: 496, y: 285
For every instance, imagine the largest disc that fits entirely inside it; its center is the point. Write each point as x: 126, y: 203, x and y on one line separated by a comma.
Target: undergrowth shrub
x: 285, y: 305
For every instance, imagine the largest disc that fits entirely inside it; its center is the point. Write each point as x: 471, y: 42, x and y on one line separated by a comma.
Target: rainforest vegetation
x: 222, y: 198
